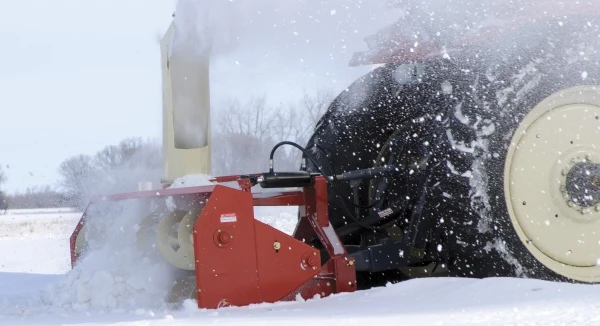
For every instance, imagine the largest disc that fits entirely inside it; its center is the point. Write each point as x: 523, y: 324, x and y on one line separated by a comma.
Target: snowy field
x: 34, y: 250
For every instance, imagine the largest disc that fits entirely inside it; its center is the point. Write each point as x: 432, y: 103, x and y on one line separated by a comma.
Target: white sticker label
x: 385, y: 212
x: 228, y: 218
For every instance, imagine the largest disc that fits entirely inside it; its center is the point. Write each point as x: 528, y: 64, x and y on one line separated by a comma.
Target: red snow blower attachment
x: 237, y: 259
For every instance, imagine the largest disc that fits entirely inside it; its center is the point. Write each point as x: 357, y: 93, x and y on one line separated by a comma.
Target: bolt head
x: 276, y: 245
x: 224, y: 237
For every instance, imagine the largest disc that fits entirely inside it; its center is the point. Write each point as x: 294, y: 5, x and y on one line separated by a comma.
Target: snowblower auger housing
x: 239, y: 260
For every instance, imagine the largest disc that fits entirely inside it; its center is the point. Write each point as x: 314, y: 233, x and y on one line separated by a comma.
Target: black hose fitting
x: 286, y: 179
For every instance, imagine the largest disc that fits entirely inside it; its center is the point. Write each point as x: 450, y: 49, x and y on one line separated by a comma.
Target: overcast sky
x: 79, y: 75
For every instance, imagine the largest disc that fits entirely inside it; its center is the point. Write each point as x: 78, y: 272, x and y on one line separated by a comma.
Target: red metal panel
x: 340, y: 266
x: 240, y: 260
x: 226, y: 268
x: 284, y: 263
x: 322, y: 286
x: 345, y: 274
x: 295, y: 198
x: 321, y: 201
x: 73, y: 240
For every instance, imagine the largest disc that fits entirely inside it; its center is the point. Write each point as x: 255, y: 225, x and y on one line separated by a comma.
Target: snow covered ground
x: 34, y: 251
x: 43, y: 232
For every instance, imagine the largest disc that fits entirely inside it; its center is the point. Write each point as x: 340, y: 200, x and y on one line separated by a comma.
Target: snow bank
x: 29, y: 236
x: 114, y: 275
x: 434, y: 301
x: 283, y: 218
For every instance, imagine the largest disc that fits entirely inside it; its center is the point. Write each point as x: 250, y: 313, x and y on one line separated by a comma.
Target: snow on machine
x: 473, y: 153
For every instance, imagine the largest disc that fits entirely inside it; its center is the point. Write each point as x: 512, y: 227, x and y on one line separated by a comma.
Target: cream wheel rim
x: 167, y: 238
x: 185, y: 234
x: 560, y: 133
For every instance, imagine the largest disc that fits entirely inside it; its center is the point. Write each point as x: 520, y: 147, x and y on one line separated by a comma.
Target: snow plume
x: 113, y: 275
x: 453, y: 19
x: 219, y: 27
x: 115, y: 169
x: 479, y: 182
x: 206, y: 26
x: 279, y: 48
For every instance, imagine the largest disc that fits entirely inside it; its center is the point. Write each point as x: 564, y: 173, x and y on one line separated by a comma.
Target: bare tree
x: 116, y: 168
x: 3, y: 203
x: 37, y: 197
x: 297, y: 123
x: 78, y: 177
x: 313, y: 107
x: 243, y: 137
x: 3, y: 199
x: 128, y: 151
x: 2, y: 176
x: 245, y: 134
x: 254, y: 118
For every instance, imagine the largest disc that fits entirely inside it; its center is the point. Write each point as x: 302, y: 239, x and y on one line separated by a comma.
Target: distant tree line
x: 3, y: 198
x: 116, y: 168
x: 37, y: 197
x: 242, y: 138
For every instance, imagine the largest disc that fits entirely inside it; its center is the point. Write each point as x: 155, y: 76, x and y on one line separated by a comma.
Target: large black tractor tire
x: 534, y: 115
x: 512, y: 189
x: 383, y: 106
x: 359, y: 122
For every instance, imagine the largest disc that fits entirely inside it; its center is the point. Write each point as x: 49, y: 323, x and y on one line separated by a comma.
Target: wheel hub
x: 583, y: 185
x: 576, y: 172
